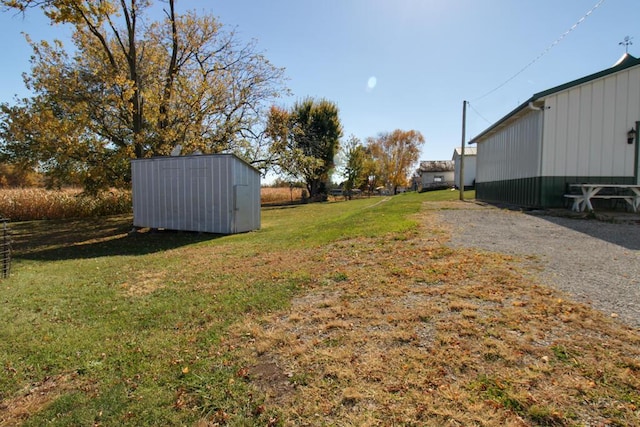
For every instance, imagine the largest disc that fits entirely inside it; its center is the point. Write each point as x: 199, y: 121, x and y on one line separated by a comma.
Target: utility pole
x: 464, y: 125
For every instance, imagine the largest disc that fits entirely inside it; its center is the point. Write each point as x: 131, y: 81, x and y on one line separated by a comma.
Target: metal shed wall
x: 508, y: 162
x: 585, y: 128
x: 469, y: 166
x: 206, y: 193
x: 512, y: 152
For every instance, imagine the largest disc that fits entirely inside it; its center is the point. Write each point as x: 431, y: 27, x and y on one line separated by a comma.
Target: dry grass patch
x: 275, y: 195
x: 411, y: 332
x: 36, y: 396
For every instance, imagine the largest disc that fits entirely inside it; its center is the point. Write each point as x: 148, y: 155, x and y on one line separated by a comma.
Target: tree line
x: 135, y: 87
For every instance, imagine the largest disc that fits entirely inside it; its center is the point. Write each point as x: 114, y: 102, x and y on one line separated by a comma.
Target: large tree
x: 133, y: 87
x: 305, y: 141
x: 355, y: 169
x: 396, y: 153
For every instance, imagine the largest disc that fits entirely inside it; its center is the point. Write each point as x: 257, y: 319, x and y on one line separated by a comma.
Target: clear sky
x: 404, y: 64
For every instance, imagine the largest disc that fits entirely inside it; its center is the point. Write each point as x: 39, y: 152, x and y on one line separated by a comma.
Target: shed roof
x: 436, y: 166
x: 468, y: 151
x: 195, y: 156
x: 626, y: 61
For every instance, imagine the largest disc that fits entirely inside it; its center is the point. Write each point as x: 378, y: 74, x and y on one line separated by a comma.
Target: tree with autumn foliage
x: 355, y: 169
x: 395, y: 154
x: 132, y: 87
x: 305, y: 140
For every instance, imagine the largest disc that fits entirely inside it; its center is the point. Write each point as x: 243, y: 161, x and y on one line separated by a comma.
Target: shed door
x: 242, y: 205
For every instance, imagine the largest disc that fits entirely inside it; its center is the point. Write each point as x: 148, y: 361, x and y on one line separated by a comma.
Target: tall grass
x: 27, y: 204
x: 277, y: 195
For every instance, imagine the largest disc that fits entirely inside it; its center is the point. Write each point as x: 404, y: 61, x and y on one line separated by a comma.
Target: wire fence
x: 5, y: 248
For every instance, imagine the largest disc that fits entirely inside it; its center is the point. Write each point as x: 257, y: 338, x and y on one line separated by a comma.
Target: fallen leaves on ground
x: 409, y: 331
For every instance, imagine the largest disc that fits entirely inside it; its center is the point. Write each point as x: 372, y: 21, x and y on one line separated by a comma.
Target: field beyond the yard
x: 344, y: 313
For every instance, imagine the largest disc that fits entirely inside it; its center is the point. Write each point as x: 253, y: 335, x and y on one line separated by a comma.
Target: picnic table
x: 627, y: 192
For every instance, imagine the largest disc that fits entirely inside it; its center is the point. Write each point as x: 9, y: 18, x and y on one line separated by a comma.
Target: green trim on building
x: 539, y: 192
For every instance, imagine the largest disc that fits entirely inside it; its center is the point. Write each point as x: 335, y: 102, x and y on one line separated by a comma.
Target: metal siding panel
x: 573, y: 133
x: 225, y: 196
x: 228, y: 190
x: 210, y: 210
x: 559, y: 160
x: 512, y: 152
x: 608, y: 130
x: 627, y: 114
x: 619, y: 144
x: 596, y: 126
x: 585, y: 139
x: 548, y: 135
x: 192, y: 193
x: 222, y: 198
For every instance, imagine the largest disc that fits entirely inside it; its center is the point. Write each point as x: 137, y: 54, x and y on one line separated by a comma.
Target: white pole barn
x: 571, y: 134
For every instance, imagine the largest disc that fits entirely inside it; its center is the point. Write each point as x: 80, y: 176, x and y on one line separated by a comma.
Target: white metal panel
x: 469, y: 169
x: 607, y: 149
x: 193, y: 193
x: 585, y: 138
x: 512, y: 152
x: 595, y: 129
x: 625, y: 105
x: 585, y: 127
x: 559, y: 160
x: 573, y: 132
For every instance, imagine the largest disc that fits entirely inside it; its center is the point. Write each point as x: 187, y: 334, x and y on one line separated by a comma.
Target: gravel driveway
x: 598, y: 263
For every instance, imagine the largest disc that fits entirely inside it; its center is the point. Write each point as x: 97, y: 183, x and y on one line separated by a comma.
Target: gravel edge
x: 595, y: 262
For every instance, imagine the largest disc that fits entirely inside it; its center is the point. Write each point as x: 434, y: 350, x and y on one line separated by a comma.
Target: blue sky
x: 404, y: 64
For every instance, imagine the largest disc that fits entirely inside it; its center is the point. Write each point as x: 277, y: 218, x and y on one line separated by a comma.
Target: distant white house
x: 469, y: 165
x: 434, y: 174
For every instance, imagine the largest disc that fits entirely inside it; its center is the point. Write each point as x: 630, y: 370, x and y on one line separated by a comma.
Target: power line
x: 551, y: 46
x: 477, y: 112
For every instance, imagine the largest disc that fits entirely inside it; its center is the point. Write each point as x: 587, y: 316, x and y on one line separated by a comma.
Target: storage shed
x: 578, y: 132
x: 207, y: 193
x: 469, y: 166
x: 436, y: 174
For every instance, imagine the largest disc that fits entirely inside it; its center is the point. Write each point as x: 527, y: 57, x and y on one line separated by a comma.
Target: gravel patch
x: 595, y: 262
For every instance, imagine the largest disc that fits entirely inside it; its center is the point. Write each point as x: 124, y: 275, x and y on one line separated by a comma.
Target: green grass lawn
x: 103, y: 327
x: 117, y: 323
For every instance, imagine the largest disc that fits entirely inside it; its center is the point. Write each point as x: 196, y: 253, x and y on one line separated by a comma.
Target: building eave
x: 537, y: 100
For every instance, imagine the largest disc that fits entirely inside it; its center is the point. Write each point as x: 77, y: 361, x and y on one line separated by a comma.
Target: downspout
x: 533, y: 107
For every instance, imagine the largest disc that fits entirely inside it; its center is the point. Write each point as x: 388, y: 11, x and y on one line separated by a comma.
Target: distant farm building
x: 435, y: 174
x: 469, y: 166
x: 207, y: 193
x: 584, y: 131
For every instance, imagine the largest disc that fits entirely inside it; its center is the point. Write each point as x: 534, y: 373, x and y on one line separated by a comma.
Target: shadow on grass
x: 94, y: 237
